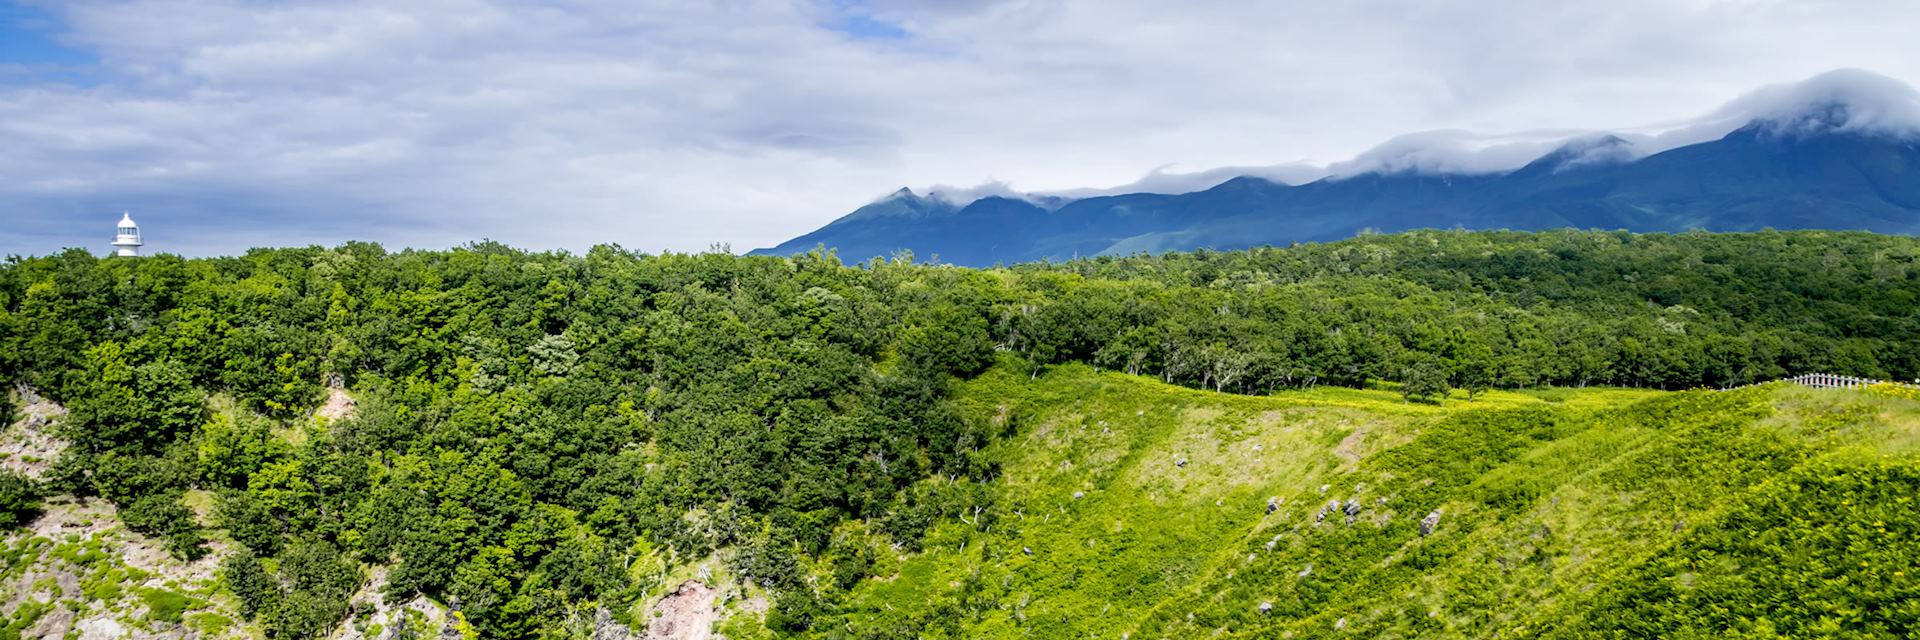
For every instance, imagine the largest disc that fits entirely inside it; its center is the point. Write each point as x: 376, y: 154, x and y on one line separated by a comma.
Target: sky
x: 685, y: 126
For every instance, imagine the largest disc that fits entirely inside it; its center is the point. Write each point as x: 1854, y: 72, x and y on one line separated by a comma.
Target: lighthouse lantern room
x: 126, y: 242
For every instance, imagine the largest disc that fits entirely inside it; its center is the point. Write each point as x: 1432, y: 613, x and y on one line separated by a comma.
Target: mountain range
x: 1831, y: 156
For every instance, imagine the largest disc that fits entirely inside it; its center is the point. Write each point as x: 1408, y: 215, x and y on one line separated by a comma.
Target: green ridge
x: 1571, y: 517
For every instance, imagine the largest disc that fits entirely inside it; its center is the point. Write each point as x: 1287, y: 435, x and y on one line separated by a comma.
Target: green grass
x: 1564, y: 513
x: 23, y: 616
x: 164, y: 605
x: 213, y: 624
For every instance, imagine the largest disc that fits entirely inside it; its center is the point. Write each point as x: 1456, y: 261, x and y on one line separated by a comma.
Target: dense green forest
x: 540, y: 436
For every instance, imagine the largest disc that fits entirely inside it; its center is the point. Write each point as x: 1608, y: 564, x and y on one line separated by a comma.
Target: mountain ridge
x: 1829, y: 159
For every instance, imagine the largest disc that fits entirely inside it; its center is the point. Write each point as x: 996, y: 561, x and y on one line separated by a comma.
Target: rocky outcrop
x: 29, y: 444
x: 606, y: 628
x: 377, y: 618
x: 688, y: 613
x: 80, y: 575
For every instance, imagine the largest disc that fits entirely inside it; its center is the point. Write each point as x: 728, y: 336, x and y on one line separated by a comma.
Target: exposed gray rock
x: 606, y: 628
x: 83, y: 614
x: 1265, y: 607
x: 1321, y: 515
x: 1273, y: 504
x: 1429, y: 523
x: 1352, y: 510
x: 55, y: 623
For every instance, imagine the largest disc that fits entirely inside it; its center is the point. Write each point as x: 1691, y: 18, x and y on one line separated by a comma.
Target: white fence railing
x: 1830, y: 381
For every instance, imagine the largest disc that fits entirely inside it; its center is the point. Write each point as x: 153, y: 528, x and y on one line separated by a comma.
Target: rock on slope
x: 686, y: 614
x: 29, y: 445
x: 76, y: 573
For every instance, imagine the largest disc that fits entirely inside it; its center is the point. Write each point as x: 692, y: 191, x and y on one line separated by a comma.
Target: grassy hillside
x: 1132, y: 508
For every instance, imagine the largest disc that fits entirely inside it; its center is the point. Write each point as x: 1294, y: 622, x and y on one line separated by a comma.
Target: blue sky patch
x: 852, y: 18
x: 866, y: 28
x: 30, y: 36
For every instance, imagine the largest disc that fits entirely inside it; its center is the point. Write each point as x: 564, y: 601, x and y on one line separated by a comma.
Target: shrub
x: 162, y: 516
x: 19, y: 499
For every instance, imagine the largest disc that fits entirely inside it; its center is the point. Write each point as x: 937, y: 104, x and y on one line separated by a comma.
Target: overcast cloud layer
x: 223, y: 124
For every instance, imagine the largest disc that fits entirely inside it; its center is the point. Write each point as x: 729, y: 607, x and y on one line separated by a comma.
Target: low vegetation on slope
x: 71, y: 569
x: 1134, y: 509
x: 545, y: 443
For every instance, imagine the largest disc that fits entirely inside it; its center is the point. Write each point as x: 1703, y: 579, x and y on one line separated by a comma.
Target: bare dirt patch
x: 1351, y: 448
x: 686, y: 614
x: 339, y: 406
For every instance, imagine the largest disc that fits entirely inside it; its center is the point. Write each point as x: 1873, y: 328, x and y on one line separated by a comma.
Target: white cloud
x: 1872, y: 103
x: 225, y: 123
x: 1844, y: 99
x: 964, y: 195
x: 1164, y: 180
x: 1453, y: 152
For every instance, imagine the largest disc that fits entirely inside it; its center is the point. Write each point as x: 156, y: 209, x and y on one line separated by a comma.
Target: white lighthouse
x: 127, y: 241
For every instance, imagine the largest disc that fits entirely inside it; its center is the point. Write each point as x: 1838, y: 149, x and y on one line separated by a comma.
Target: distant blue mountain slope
x: 1804, y: 173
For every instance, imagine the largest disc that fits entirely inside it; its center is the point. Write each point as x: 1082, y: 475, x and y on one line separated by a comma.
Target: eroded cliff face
x: 76, y: 572
x: 29, y: 446
x: 688, y: 613
x: 376, y: 617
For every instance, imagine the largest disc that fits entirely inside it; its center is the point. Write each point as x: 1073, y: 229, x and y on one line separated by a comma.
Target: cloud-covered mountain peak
x: 1845, y: 100
x: 1817, y: 154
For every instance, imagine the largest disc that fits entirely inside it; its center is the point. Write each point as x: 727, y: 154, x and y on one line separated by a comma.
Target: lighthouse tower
x: 127, y: 241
